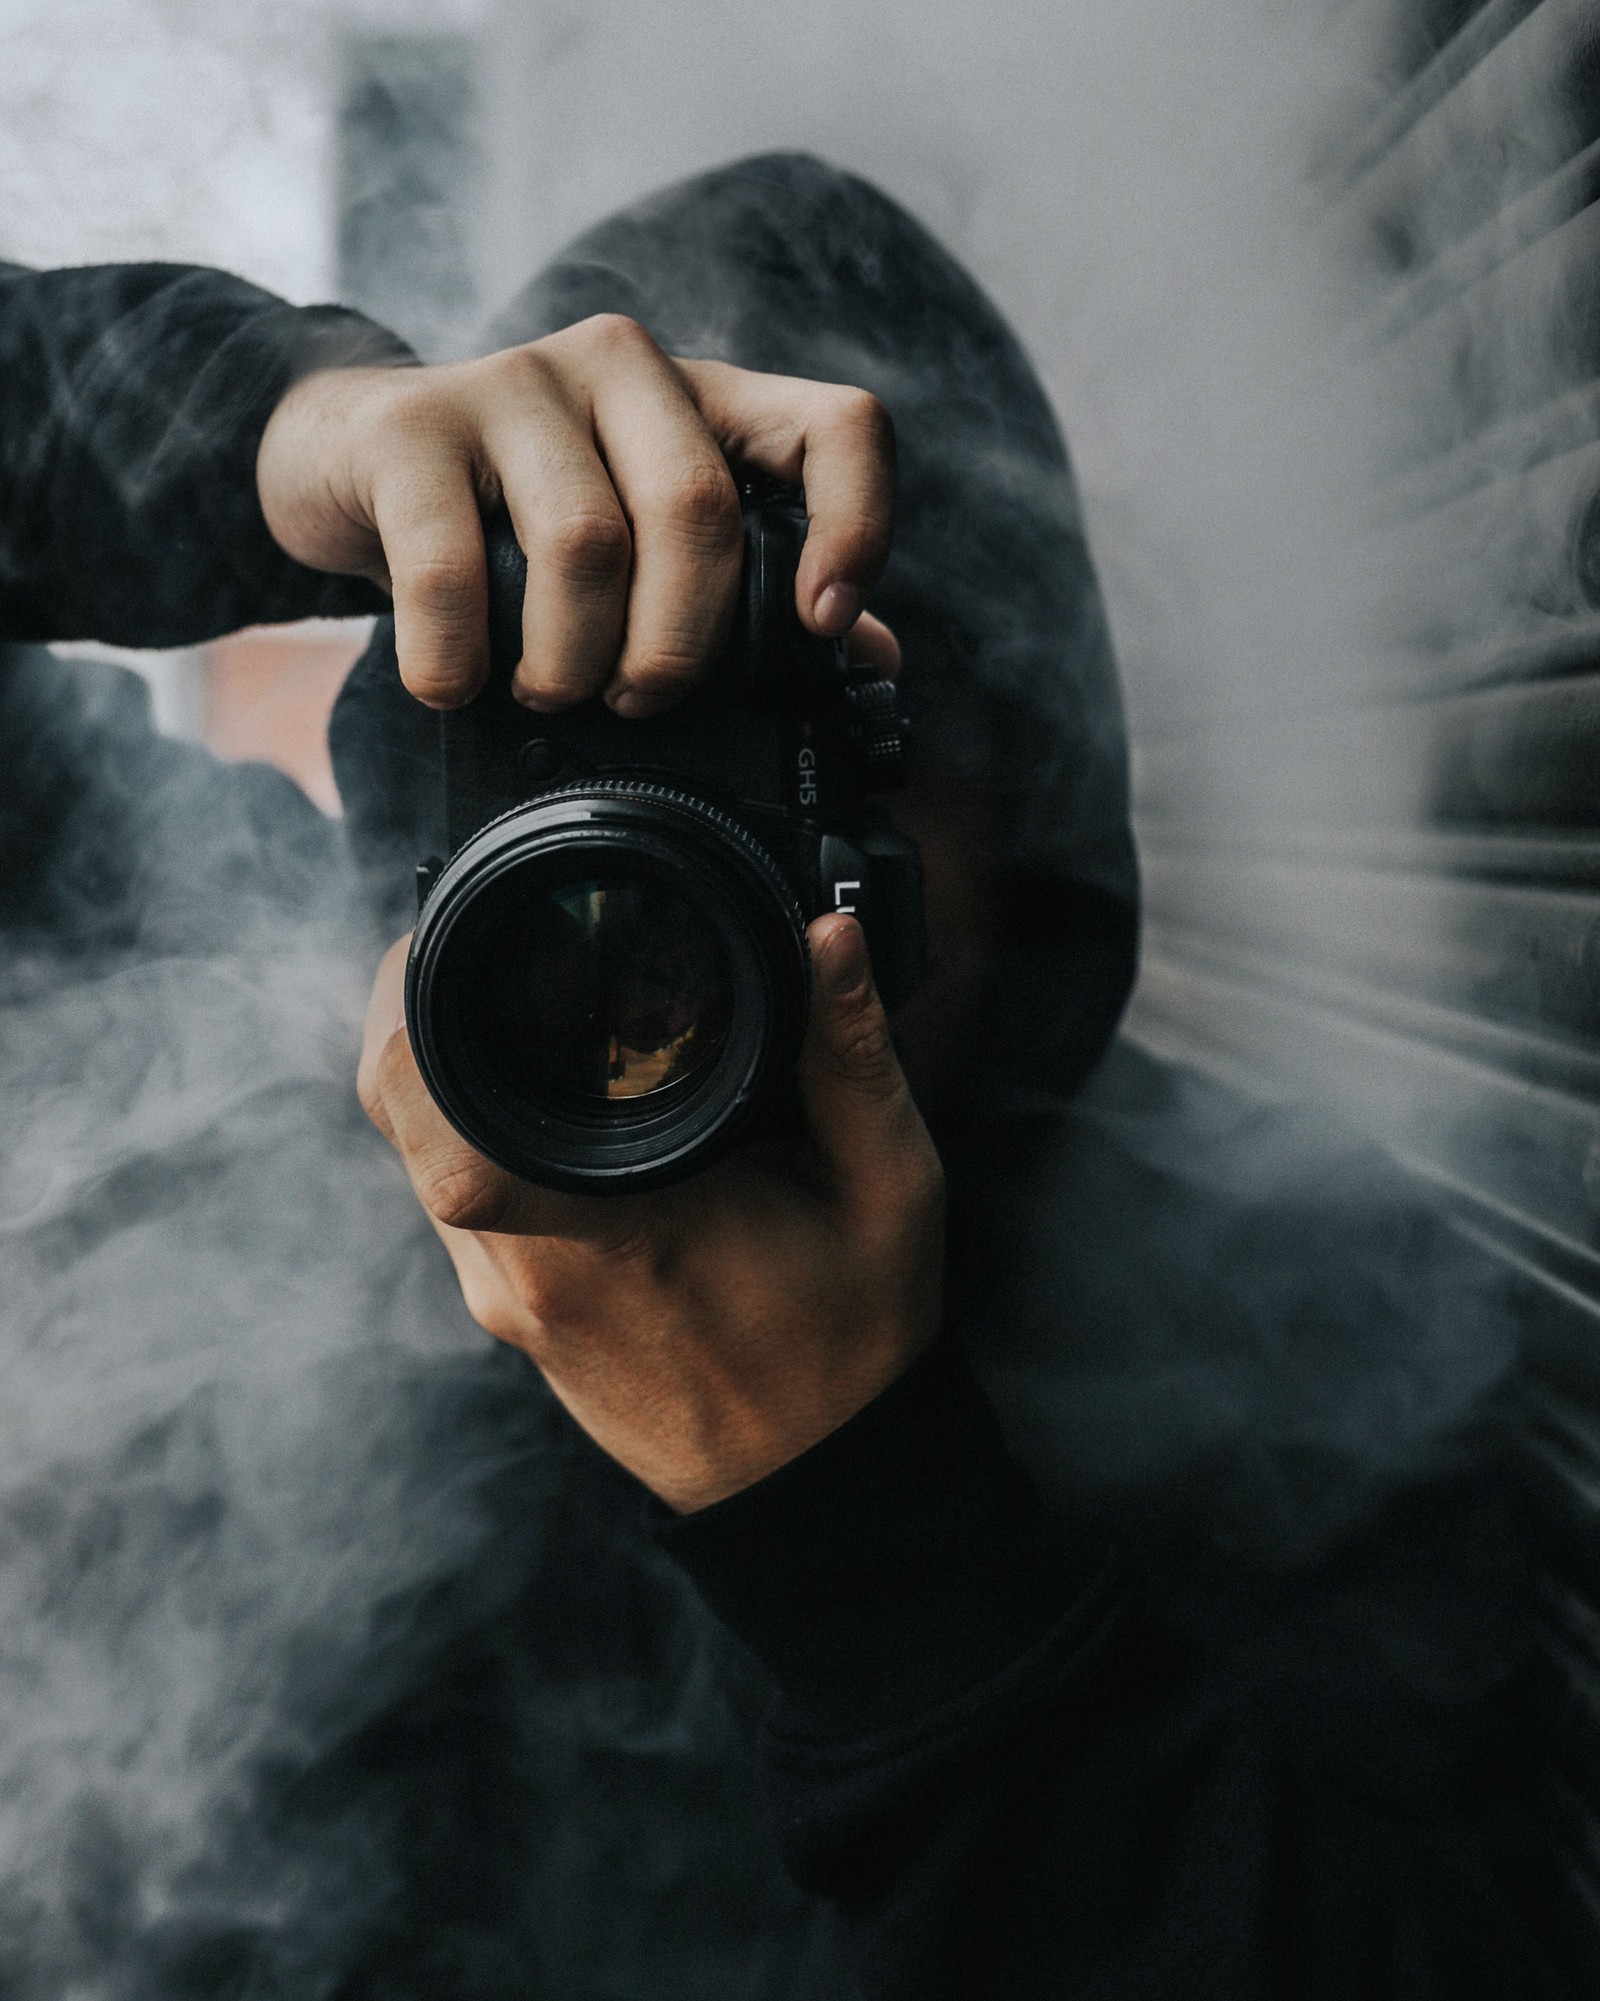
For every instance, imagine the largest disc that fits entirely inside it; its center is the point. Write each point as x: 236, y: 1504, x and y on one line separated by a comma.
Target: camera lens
x: 604, y: 983
x: 600, y: 989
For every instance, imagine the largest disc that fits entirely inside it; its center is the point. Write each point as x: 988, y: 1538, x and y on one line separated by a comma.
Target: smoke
x: 303, y: 1670
x: 177, y: 130
x: 330, y: 1661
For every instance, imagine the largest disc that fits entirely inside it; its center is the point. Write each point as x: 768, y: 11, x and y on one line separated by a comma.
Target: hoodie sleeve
x: 1012, y: 1781
x: 132, y: 403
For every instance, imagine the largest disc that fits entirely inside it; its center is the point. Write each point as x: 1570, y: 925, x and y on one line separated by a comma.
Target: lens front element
x: 605, y: 988
x: 603, y: 984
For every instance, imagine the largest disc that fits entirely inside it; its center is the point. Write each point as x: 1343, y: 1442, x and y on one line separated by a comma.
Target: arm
x: 133, y: 400
x: 1016, y: 1783
x: 182, y: 453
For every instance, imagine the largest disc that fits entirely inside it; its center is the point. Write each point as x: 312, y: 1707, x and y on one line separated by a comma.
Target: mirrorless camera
x: 609, y: 981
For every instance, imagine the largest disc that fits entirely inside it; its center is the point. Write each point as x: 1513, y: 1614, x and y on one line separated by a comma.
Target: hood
x: 783, y: 263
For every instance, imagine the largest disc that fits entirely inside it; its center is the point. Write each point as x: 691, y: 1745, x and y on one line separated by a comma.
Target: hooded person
x: 1229, y: 1693
x: 1232, y: 1342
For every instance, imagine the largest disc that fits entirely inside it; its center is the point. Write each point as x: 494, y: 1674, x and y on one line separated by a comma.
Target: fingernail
x: 629, y: 704
x: 844, y: 957
x: 838, y: 608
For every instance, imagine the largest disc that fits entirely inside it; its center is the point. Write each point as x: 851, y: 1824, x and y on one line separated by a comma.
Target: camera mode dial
x: 877, y: 732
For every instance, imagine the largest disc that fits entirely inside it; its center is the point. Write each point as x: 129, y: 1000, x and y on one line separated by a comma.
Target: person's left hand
x: 613, y: 461
x: 707, y: 1333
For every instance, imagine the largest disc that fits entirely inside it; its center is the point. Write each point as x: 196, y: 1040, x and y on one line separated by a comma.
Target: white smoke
x: 218, y: 1304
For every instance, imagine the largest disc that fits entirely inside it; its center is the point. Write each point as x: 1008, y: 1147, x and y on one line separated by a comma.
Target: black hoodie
x: 1151, y: 1719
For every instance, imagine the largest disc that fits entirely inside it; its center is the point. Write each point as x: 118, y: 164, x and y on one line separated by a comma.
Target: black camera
x: 608, y: 982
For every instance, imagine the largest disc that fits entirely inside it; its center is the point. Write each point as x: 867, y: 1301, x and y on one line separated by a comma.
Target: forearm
x: 1014, y: 1781
x: 928, y: 1627
x: 132, y: 403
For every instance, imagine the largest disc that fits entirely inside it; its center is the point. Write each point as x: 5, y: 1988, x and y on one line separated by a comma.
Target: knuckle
x: 438, y: 580
x: 664, y: 669
x: 412, y: 403
x: 522, y: 368
x: 489, y: 1306
x: 615, y: 331
x: 865, y: 1049
x: 701, y: 503
x: 866, y: 418
x: 461, y: 1193
x: 431, y: 414
x: 590, y: 547
x: 537, y: 1295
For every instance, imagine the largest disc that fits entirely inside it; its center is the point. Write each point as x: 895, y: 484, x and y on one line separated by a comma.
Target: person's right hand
x: 612, y: 459
x: 707, y: 1333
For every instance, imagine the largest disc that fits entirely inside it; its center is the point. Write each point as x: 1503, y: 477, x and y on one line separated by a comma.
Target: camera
x: 608, y: 983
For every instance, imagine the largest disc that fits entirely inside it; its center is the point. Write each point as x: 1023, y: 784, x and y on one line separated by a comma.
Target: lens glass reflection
x: 600, y: 990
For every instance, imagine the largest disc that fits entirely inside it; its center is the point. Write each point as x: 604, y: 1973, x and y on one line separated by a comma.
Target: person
x: 1187, y: 1707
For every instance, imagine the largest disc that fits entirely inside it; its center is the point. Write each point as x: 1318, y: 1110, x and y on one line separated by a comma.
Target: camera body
x: 665, y: 870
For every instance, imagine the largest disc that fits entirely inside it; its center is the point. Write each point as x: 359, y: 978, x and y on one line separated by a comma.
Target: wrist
x: 903, y: 1560
x: 721, y: 1427
x: 803, y: 1417
x: 307, y: 464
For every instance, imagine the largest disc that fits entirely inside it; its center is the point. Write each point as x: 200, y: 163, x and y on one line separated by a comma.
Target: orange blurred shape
x: 270, y: 691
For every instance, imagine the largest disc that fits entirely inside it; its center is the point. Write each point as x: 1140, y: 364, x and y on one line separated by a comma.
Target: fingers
x: 427, y: 515
x: 453, y: 1181
x: 371, y: 472
x: 680, y: 499
x: 628, y: 516
x: 873, y: 645
x: 836, y: 442
x: 858, y: 1107
x: 455, y: 1184
x: 612, y: 460
x: 537, y: 438
x: 617, y: 480
x: 385, y: 1014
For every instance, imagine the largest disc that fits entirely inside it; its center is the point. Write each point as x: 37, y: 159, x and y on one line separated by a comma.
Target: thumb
x: 857, y: 1104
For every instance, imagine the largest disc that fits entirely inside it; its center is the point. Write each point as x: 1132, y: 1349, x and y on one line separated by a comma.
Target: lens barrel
x: 604, y: 982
